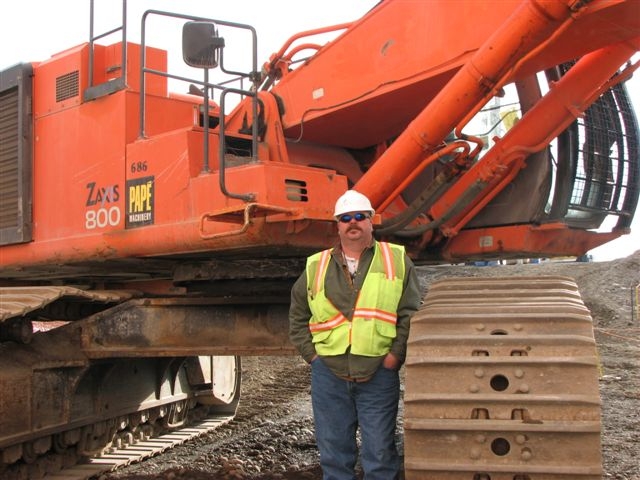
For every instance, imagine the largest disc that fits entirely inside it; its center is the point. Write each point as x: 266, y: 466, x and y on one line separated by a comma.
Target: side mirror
x: 201, y: 44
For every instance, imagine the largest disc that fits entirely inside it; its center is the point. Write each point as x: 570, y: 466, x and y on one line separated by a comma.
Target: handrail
x: 91, y: 93
x: 253, y: 76
x: 248, y: 197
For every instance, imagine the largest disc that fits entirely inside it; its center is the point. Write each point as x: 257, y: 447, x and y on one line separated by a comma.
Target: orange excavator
x: 148, y: 239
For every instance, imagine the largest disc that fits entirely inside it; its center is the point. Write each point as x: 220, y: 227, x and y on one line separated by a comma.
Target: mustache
x: 353, y: 227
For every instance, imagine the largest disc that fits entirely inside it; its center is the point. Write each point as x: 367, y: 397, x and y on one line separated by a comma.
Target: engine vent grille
x: 296, y: 190
x: 8, y: 158
x: 16, y: 135
x: 67, y: 86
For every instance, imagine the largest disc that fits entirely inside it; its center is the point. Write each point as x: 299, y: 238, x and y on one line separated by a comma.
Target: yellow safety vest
x: 373, y: 327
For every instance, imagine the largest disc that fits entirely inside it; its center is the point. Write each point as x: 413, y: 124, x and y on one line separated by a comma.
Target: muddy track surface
x: 272, y: 436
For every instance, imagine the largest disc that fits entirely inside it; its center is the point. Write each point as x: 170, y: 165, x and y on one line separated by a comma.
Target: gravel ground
x: 272, y: 436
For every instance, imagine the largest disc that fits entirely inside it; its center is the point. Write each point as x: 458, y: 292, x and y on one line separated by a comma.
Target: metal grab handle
x: 246, y: 222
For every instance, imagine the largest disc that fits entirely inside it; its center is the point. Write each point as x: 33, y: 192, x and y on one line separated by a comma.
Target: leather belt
x: 355, y: 380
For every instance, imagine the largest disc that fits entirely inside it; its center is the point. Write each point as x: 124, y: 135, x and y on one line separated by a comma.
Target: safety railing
x: 207, y: 86
x: 96, y: 91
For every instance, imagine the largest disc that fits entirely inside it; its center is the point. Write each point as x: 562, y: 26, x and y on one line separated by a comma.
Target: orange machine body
x: 372, y: 109
x: 100, y: 192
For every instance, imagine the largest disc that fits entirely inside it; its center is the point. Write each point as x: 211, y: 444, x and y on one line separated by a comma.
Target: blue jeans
x: 340, y: 407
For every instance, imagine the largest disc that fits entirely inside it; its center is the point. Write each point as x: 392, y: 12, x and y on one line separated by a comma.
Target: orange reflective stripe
x: 375, y: 314
x: 322, y: 266
x: 339, y: 319
x: 387, y: 258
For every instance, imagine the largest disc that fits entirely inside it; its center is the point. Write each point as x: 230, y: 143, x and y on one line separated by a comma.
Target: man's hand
x: 391, y: 362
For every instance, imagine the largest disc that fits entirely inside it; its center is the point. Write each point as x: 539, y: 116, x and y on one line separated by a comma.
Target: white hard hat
x: 352, y: 201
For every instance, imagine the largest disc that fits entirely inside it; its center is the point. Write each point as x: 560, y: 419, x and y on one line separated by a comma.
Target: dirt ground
x: 272, y: 436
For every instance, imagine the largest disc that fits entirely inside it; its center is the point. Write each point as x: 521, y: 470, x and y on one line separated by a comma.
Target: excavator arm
x: 405, y: 92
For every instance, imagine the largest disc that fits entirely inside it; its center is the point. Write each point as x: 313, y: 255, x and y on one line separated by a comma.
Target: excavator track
x: 68, y: 415
x: 126, y: 448
x: 502, y: 382
x: 137, y: 450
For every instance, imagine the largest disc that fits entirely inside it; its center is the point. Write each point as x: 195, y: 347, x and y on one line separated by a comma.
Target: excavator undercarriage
x: 501, y: 377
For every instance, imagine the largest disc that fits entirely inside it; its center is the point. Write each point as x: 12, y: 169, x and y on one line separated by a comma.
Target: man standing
x: 349, y: 318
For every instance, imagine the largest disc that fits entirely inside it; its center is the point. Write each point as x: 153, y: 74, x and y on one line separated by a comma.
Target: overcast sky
x: 33, y: 30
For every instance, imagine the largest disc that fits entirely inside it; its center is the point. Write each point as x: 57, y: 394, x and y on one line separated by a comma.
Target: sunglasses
x: 347, y: 217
